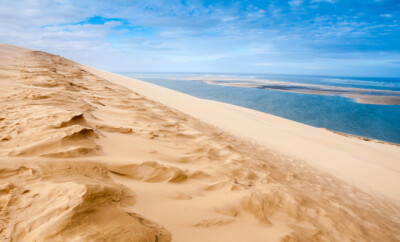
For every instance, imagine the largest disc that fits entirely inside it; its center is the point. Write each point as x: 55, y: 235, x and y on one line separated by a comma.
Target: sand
x: 359, y: 95
x: 87, y: 155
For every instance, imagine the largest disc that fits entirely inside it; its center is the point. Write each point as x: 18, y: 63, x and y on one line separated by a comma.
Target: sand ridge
x: 84, y: 159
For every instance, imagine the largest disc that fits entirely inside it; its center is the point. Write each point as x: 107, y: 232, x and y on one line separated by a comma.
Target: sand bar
x: 360, y: 95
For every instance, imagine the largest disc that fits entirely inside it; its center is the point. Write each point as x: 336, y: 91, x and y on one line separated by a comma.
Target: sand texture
x: 87, y: 155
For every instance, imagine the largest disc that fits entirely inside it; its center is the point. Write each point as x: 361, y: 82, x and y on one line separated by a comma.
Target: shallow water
x: 327, y: 111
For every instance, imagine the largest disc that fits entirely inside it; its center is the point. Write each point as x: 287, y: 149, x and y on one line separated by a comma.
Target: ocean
x: 333, y: 112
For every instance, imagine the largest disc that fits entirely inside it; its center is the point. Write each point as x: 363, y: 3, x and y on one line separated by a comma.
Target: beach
x: 327, y: 110
x: 88, y: 155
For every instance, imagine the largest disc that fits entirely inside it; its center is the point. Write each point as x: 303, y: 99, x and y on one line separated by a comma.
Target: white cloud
x: 329, y: 1
x: 263, y: 64
x: 295, y: 3
x: 387, y: 15
x: 190, y: 36
x: 38, y: 13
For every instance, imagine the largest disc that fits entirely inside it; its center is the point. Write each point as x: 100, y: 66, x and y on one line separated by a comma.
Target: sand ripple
x: 82, y: 159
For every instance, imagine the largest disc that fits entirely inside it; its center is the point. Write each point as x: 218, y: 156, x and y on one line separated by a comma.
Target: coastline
x: 336, y: 154
x: 334, y: 112
x: 363, y: 138
x: 359, y: 95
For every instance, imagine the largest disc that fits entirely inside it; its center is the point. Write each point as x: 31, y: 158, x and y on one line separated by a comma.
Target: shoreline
x: 353, y: 97
x: 362, y: 137
x: 358, y: 95
x: 302, y: 138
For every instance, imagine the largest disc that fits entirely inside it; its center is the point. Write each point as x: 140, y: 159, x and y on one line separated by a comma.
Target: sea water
x: 326, y: 111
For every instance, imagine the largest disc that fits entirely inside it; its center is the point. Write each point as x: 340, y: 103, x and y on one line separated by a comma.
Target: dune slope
x: 85, y: 159
x: 377, y: 163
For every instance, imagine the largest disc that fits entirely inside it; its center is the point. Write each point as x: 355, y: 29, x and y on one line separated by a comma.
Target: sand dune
x: 85, y: 159
x: 376, y: 162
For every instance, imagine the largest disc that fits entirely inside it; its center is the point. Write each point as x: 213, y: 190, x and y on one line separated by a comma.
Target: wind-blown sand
x: 89, y: 155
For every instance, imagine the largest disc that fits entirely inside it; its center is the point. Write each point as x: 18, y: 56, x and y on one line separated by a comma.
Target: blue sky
x: 322, y: 37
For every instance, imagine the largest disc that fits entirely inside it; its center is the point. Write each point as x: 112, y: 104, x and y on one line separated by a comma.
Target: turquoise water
x: 332, y: 112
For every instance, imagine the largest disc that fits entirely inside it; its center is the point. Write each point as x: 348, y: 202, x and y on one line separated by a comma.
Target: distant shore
x: 330, y: 111
x: 360, y: 95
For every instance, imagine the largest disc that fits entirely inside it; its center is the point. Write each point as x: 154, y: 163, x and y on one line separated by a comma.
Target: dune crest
x: 82, y: 158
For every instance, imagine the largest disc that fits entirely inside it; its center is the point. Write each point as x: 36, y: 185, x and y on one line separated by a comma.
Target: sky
x: 312, y: 37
